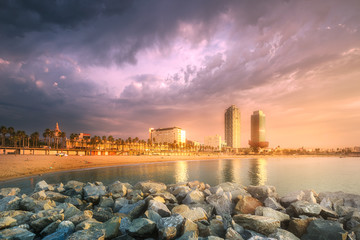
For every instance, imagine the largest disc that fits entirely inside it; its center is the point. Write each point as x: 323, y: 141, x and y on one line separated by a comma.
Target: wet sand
x: 12, y: 166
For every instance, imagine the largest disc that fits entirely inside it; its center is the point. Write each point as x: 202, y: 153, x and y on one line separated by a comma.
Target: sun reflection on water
x: 181, y: 173
x: 257, y: 171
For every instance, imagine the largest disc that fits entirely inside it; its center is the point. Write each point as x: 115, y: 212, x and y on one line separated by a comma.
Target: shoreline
x: 13, y: 167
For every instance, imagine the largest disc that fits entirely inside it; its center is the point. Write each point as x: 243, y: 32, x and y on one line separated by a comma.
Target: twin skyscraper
x: 232, y: 128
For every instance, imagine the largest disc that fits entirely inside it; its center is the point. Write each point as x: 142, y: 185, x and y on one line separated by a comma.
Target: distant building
x: 232, y: 127
x: 57, y: 130
x: 213, y: 141
x: 167, y: 135
x: 258, y: 130
x: 85, y: 136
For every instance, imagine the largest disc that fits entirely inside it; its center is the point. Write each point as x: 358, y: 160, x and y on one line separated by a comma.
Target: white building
x: 167, y: 135
x: 213, y: 141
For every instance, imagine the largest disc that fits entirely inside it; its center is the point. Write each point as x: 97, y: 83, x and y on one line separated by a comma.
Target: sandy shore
x: 12, y: 166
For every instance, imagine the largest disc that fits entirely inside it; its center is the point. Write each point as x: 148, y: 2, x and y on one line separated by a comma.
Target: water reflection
x: 257, y: 171
x: 228, y: 171
x: 181, y: 172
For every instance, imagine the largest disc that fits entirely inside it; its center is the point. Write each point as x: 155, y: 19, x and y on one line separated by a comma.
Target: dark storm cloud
x: 46, y: 47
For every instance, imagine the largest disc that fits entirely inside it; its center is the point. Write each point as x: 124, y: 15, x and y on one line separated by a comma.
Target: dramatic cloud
x: 120, y: 67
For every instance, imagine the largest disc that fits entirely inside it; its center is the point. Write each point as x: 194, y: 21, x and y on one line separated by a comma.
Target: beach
x: 16, y: 166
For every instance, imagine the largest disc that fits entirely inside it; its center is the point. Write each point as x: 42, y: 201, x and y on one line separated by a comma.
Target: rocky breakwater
x: 192, y: 210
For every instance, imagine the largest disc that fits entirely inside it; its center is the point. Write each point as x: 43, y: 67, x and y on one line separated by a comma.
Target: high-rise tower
x: 232, y: 127
x: 258, y: 130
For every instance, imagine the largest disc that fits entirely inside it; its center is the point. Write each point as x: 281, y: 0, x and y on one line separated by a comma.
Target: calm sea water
x: 287, y: 174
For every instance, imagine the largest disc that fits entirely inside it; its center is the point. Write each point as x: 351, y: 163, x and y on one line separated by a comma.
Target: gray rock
x: 189, y: 236
x: 92, y: 192
x: 87, y: 224
x: 160, y: 208
x: 71, y: 211
x: 194, y: 196
x: 77, y: 202
x: 119, y: 203
x: 74, y: 184
x: 39, y: 224
x: 181, y: 191
x: 42, y: 185
x: 117, y: 189
x: 269, y: 212
x: 221, y: 203
x: 310, y: 196
x: 282, y: 234
x: 214, y: 238
x: 46, y: 213
x: 167, y: 233
x: 329, y: 230
x: 231, y: 234
x: 298, y: 226
x: 195, y: 214
x: 326, y: 203
x: 189, y: 226
x: 217, y: 228
x: 150, y: 187
x: 169, y: 198
x: 88, y: 234
x: 16, y: 233
x: 57, y: 197
x: 20, y: 216
x: 349, y: 200
x: 32, y: 205
x: 111, y: 227
x: 152, y: 215
x: 106, y: 202
x: 204, y: 230
x: 327, y: 213
x: 10, y: 203
x: 5, y: 192
x: 125, y: 225
x: 262, y: 192
x: 6, y: 222
x: 102, y: 214
x: 142, y: 227
x: 292, y: 197
x: 272, y: 203
x: 78, y: 218
x: 134, y: 210
x: 169, y: 227
x: 41, y: 195
x: 263, y: 225
x: 74, y: 188
x: 49, y: 229
x: 65, y: 229
x: 306, y: 208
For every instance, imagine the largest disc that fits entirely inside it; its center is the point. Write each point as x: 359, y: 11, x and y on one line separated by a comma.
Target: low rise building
x: 167, y: 135
x: 213, y: 142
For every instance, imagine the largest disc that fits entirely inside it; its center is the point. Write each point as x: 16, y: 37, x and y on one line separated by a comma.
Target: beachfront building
x: 214, y: 142
x: 167, y: 135
x: 57, y: 130
x: 258, y: 130
x: 232, y: 127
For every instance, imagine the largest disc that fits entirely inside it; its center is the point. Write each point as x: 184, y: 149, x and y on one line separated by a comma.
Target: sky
x: 120, y: 67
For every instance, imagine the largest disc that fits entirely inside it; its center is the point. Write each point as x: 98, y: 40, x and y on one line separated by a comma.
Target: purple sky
x: 120, y: 67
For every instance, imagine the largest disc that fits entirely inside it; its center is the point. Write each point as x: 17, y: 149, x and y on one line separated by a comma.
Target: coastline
x: 19, y: 166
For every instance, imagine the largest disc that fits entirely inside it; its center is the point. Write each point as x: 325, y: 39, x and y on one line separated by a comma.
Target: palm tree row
x: 12, y: 138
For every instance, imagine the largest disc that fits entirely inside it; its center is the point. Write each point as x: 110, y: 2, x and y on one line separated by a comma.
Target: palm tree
x: 111, y: 140
x: 35, y: 138
x: 11, y: 132
x: 62, y: 135
x: 46, y: 135
x: 51, y: 137
x: 3, y: 131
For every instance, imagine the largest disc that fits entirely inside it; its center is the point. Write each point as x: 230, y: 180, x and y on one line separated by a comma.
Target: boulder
x: 195, y: 214
x: 349, y: 200
x: 189, y: 236
x: 310, y: 196
x: 6, y: 222
x: 42, y: 185
x: 272, y: 203
x: 326, y: 203
x: 65, y: 229
x: 41, y: 223
x: 51, y: 228
x: 135, y: 196
x: 125, y: 225
x: 10, y: 203
x: 111, y: 227
x: 32, y: 205
x: 231, y: 234
x: 74, y: 188
x: 292, y: 197
x: 119, y: 203
x: 142, y: 227
x: 106, y: 202
x: 102, y: 214
x: 221, y: 203
x: 41, y: 195
x: 298, y: 226
x: 262, y: 192
x: 194, y: 196
x: 263, y: 225
x: 168, y: 197
x: 282, y: 234
x: 88, y: 234
x: 169, y: 227
x: 16, y: 233
x: 306, y: 208
x: 70, y: 211
x: 92, y: 192
x: 327, y: 213
x: 189, y: 226
x: 46, y: 213
x: 247, y: 205
x: 77, y: 202
x: 5, y: 192
x: 78, y: 218
x: 269, y: 212
x: 329, y: 230
x: 216, y: 228
x: 152, y: 215
x: 150, y: 187
x: 203, y: 227
x: 57, y: 197
x: 134, y: 210
x: 181, y: 191
x: 20, y: 216
x: 117, y: 189
x: 87, y: 224
x: 160, y: 208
